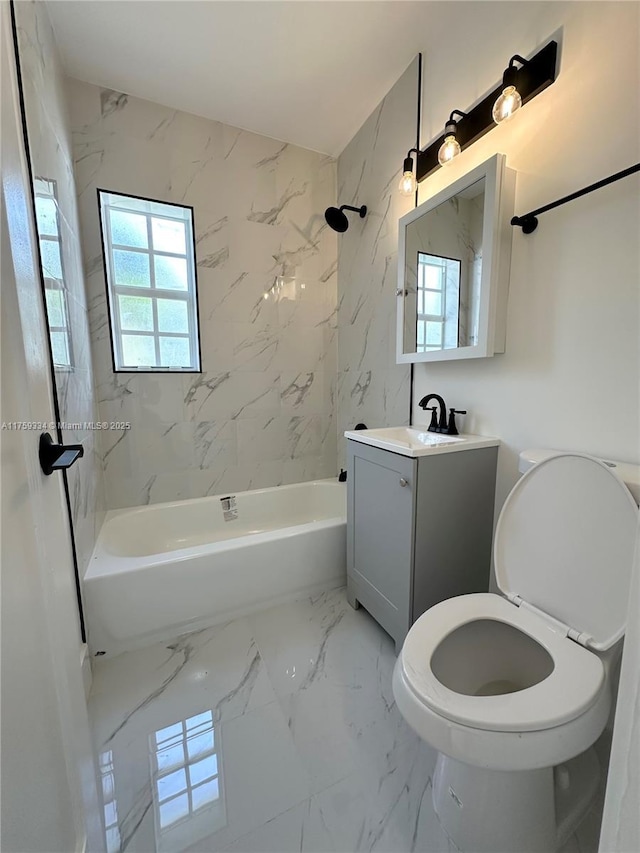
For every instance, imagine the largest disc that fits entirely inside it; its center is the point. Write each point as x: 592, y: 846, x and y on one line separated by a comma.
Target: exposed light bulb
x: 449, y: 149
x: 408, y: 183
x: 506, y: 104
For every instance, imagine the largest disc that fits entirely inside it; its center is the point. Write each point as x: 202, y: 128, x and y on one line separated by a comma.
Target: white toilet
x: 513, y: 691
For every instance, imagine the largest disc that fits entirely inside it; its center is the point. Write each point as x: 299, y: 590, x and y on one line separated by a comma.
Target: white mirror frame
x: 497, y: 233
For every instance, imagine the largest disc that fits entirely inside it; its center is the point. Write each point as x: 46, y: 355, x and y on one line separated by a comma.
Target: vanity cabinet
x: 419, y: 530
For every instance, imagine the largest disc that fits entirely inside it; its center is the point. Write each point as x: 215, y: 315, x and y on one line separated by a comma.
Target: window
x: 52, y: 272
x: 151, y: 283
x: 438, y: 286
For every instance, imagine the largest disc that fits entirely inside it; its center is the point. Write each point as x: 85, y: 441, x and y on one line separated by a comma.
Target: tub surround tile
x: 258, y: 476
x: 368, y: 171
x: 261, y: 438
x: 258, y: 207
x: 304, y: 437
x: 215, y: 445
x: 303, y: 357
x: 302, y: 392
x: 306, y: 468
x: 254, y: 349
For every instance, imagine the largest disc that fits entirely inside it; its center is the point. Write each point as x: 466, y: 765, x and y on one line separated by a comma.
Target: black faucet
x: 435, y: 425
x: 440, y: 424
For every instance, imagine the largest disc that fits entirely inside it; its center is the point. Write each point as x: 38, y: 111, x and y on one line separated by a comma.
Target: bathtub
x: 165, y: 569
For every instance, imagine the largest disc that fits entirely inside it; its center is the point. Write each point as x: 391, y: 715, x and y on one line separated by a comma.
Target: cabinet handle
x: 403, y: 482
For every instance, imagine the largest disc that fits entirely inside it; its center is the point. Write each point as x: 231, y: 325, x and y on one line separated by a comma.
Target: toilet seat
x: 570, y: 690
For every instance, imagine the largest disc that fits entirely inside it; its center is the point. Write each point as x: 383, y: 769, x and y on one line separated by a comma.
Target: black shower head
x: 337, y: 220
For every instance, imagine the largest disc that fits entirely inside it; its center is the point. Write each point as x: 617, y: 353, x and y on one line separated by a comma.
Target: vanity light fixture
x: 450, y: 148
x: 408, y: 184
x: 518, y: 86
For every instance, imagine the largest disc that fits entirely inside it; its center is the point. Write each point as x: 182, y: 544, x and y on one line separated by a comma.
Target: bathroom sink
x: 411, y: 437
x: 417, y: 441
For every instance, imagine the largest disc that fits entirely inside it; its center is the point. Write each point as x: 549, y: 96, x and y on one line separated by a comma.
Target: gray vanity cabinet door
x: 380, y: 538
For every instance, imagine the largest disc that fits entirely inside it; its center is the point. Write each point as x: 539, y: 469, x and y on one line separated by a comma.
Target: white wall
x: 569, y: 376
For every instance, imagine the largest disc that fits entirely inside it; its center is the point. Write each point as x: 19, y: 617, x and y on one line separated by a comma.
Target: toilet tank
x: 628, y: 473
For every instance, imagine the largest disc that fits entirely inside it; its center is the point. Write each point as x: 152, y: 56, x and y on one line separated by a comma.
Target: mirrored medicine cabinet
x: 454, y: 254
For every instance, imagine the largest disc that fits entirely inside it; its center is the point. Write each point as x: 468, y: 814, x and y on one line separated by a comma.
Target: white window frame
x: 150, y: 209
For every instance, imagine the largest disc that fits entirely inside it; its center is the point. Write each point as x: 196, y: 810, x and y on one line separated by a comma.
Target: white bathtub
x: 161, y: 570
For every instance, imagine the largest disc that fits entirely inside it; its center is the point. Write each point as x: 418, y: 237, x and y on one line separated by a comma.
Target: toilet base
x: 513, y: 811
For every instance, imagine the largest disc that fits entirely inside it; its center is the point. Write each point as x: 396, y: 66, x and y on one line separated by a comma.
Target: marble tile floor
x: 272, y: 733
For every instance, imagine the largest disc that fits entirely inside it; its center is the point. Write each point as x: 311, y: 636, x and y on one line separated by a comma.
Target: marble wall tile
x: 371, y: 388
x: 51, y: 158
x: 261, y: 411
x: 303, y: 392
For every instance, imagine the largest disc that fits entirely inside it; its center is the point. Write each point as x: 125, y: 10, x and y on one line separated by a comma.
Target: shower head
x: 337, y: 220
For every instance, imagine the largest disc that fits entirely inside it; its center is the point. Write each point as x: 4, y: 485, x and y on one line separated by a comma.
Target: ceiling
x: 308, y: 73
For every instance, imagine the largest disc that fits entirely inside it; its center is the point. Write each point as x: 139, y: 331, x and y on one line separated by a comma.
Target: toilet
x: 513, y: 689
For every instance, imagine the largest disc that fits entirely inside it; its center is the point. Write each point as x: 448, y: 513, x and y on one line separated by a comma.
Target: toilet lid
x: 565, y: 543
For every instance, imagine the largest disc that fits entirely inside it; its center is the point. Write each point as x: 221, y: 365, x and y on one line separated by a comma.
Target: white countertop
x: 418, y: 441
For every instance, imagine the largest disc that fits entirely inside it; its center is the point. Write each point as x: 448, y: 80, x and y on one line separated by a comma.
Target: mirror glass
x: 443, y: 274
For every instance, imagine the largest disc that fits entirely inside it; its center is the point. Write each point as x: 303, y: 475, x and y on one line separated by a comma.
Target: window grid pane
x: 139, y: 350
x: 135, y: 313
x: 131, y: 268
x: 128, y: 229
x: 168, y: 236
x: 155, y: 277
